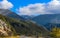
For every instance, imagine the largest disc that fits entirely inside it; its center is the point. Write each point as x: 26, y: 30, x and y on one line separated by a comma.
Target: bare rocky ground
x: 4, y: 30
x: 30, y: 37
x: 33, y: 37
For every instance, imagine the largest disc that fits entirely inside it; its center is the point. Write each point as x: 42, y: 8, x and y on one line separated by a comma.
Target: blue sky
x: 31, y: 7
x: 18, y: 3
x: 21, y: 3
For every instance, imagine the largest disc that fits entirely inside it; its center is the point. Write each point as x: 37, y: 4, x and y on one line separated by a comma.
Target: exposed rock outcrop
x: 4, y: 30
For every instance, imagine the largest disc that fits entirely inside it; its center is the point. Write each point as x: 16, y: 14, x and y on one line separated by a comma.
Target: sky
x: 31, y: 7
x: 22, y: 3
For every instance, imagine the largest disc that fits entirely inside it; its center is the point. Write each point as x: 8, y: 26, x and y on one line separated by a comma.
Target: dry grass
x: 11, y: 37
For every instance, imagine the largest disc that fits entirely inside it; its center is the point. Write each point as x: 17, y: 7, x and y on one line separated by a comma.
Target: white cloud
x: 5, y: 4
x: 52, y: 7
x: 32, y: 9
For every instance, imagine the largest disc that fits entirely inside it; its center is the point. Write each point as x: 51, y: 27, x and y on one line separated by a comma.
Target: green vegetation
x: 55, y: 32
x: 20, y: 27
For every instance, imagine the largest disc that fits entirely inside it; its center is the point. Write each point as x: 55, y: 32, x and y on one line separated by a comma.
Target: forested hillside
x: 20, y: 27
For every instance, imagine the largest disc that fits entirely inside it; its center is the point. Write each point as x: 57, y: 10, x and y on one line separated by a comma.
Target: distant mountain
x: 47, y: 18
x: 26, y: 17
x: 50, y: 26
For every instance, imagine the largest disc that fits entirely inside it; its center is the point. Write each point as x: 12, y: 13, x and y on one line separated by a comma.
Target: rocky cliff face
x: 4, y: 30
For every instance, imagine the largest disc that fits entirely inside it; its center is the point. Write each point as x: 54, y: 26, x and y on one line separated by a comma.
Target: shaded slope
x: 19, y: 27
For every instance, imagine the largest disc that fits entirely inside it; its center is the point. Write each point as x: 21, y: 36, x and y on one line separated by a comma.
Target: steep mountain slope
x: 5, y: 28
x: 27, y: 28
x: 20, y: 27
x: 9, y: 13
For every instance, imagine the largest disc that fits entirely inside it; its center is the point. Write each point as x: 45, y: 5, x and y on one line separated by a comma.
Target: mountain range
x: 47, y: 18
x: 27, y: 25
x: 18, y: 26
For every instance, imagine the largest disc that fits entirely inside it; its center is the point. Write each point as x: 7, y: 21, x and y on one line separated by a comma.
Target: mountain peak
x: 9, y: 13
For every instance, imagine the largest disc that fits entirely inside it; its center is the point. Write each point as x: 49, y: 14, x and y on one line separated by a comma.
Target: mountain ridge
x: 47, y: 18
x: 9, y: 13
x: 24, y: 27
